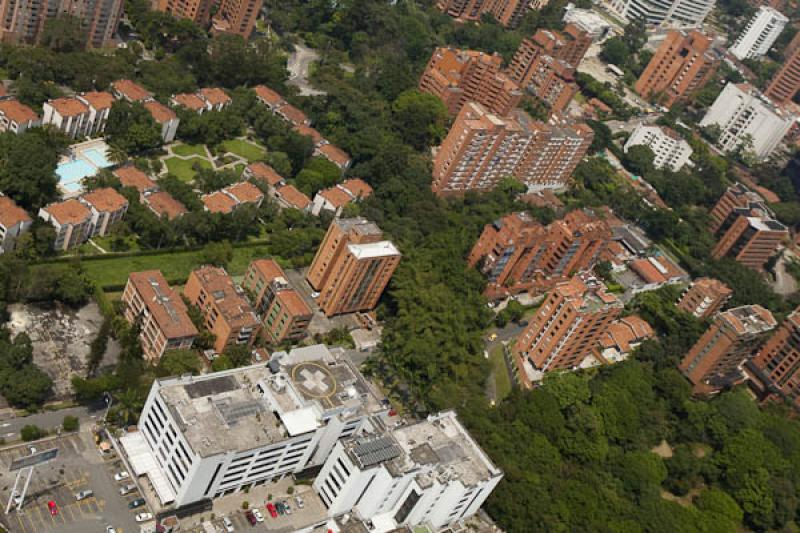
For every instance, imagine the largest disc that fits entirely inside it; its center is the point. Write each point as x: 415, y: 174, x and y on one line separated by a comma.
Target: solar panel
x: 374, y: 451
x: 211, y: 387
x: 233, y: 412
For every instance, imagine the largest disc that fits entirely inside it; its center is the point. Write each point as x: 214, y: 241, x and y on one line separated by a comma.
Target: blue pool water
x: 71, y: 173
x: 97, y: 158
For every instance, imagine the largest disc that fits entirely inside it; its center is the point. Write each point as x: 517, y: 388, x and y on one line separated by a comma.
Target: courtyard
x: 183, y: 160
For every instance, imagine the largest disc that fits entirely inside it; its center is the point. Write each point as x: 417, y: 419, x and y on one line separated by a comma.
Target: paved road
x: 785, y: 283
x: 50, y: 420
x: 298, y: 65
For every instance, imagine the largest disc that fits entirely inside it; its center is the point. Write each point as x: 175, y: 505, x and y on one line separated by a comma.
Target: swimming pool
x: 97, y: 158
x: 71, y: 173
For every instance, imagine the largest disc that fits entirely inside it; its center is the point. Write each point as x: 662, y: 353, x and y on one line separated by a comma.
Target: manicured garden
x: 245, y: 149
x: 183, y: 168
x: 187, y: 150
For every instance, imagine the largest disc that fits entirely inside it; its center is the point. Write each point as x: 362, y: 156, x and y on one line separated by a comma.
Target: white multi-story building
x: 742, y: 114
x: 667, y: 13
x: 206, y: 436
x: 670, y: 150
x: 760, y: 33
x: 431, y: 472
x: 589, y: 21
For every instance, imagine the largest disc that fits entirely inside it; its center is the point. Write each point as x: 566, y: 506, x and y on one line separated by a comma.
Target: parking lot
x: 79, y: 466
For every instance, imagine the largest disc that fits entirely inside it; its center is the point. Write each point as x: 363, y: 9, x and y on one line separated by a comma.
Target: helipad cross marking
x: 314, y: 380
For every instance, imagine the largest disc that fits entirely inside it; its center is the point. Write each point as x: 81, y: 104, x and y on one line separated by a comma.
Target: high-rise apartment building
x: 760, y: 33
x: 461, y: 76
x: 23, y: 21
x: 284, y: 314
x: 670, y: 149
x: 509, y: 13
x: 668, y: 13
x: 566, y: 329
x: 786, y: 82
x: 518, y: 254
x: 481, y: 149
x: 198, y: 11
x: 714, y: 361
x: 352, y: 266
x: 569, y: 46
x: 704, y: 297
x: 776, y: 367
x: 745, y: 227
x: 237, y: 17
x: 748, y: 120
x: 225, y: 309
x: 680, y: 67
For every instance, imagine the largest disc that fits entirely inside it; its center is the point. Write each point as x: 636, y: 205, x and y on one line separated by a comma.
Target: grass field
x: 182, y: 168
x: 189, y: 150
x: 247, y: 150
x: 501, y: 378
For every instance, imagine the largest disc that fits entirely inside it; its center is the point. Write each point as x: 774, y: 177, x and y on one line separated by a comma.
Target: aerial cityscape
x: 400, y: 266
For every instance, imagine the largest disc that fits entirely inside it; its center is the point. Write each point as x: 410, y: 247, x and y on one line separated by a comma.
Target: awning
x: 144, y: 463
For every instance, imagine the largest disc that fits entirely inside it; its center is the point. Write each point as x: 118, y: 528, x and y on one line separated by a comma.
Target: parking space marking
x: 24, y: 529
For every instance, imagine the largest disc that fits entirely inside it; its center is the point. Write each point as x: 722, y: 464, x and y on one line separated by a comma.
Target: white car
x: 299, y: 501
x: 119, y: 476
x: 258, y: 515
x: 226, y: 522
x: 110, y: 529
x: 143, y: 517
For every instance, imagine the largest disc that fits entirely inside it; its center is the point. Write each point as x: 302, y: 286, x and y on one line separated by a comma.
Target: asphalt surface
x: 49, y: 420
x: 299, y: 62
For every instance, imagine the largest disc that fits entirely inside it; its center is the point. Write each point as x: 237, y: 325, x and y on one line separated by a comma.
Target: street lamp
x: 109, y: 400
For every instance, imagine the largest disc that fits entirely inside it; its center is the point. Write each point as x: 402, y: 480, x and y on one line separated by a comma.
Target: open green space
x: 189, y: 150
x: 502, y: 380
x: 247, y: 150
x: 182, y: 168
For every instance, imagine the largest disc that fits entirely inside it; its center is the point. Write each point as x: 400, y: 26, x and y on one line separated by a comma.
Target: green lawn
x: 189, y: 149
x: 247, y: 150
x: 182, y: 168
x: 501, y: 378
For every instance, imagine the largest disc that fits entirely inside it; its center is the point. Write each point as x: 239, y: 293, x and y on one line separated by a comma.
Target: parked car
x: 138, y: 502
x: 258, y: 515
x: 251, y: 518
x: 53, y: 507
x: 273, y: 512
x: 110, y: 529
x: 119, y: 476
x: 286, y: 508
x: 227, y: 524
x: 82, y: 495
x: 143, y: 517
x: 279, y: 508
x: 299, y: 501
x: 127, y: 489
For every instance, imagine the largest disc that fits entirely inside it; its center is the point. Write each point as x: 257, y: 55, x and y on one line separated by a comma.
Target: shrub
x: 70, y: 423
x: 31, y: 432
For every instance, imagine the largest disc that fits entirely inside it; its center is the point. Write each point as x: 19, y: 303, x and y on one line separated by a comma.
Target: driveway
x: 298, y: 65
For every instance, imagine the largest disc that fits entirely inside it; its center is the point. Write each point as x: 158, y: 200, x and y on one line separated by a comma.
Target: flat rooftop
x: 373, y: 249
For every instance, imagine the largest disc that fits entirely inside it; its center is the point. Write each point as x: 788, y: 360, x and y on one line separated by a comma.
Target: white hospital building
x: 201, y: 437
x: 669, y: 148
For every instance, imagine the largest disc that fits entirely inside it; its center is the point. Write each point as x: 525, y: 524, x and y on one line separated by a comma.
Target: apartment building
x: 237, y: 17
x: 284, y: 314
x: 704, y: 297
x: 99, y: 104
x: 164, y: 324
x: 681, y: 66
x: 72, y: 221
x: 289, y: 197
x: 334, y: 199
x: 553, y: 82
x: 352, y: 266
x: 263, y: 173
x: 748, y: 120
x: 481, y: 149
x: 130, y: 91
x: 24, y: 22
x: 566, y: 329
x: 16, y: 117
x: 736, y: 196
x: 760, y: 33
x: 198, y: 11
x: 68, y: 115
x: 107, y: 207
x: 334, y: 154
x: 786, y: 82
x: 130, y: 176
x: 226, y: 311
x: 670, y: 149
x: 518, y: 254
x: 775, y: 371
x: 226, y: 200
x: 14, y: 221
x: 509, y: 13
x: 664, y: 13
x: 569, y: 46
x: 202, y: 437
x: 189, y: 101
x: 715, y: 361
x: 461, y: 76
x: 164, y: 205
x: 619, y: 341
x: 216, y: 99
x: 589, y: 21
x: 429, y: 473
x: 166, y: 119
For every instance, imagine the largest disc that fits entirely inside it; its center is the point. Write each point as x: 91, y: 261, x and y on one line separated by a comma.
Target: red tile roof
x: 69, y: 212
x: 130, y: 176
x: 11, y: 214
x: 160, y: 112
x: 99, y: 99
x: 268, y: 95
x: 308, y: 131
x: 293, y: 303
x: 357, y: 187
x: 215, y: 95
x: 219, y: 202
x: 336, y: 197
x: 132, y: 90
x: 245, y: 192
x: 233, y: 307
x: 165, y: 304
x: 335, y: 155
x: 189, y: 101
x: 293, y: 114
x: 69, y: 107
x: 163, y: 204
x: 17, y: 111
x: 263, y: 172
x: 268, y: 268
x: 293, y: 197
x: 105, y: 200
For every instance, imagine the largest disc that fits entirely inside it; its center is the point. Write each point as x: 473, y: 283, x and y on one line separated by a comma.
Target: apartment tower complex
x: 352, y: 266
x: 760, y: 33
x: 704, y: 297
x: 569, y: 45
x: 461, y: 76
x: 482, y: 148
x: 237, y: 17
x: 23, y: 21
x: 714, y: 361
x: 680, y: 67
x: 566, y: 328
x: 786, y: 82
x: 284, y: 314
x: 776, y: 368
x: 509, y: 13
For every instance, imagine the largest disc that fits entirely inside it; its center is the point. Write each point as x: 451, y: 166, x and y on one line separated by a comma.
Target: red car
x: 250, y: 517
x: 272, y: 511
x: 53, y: 507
